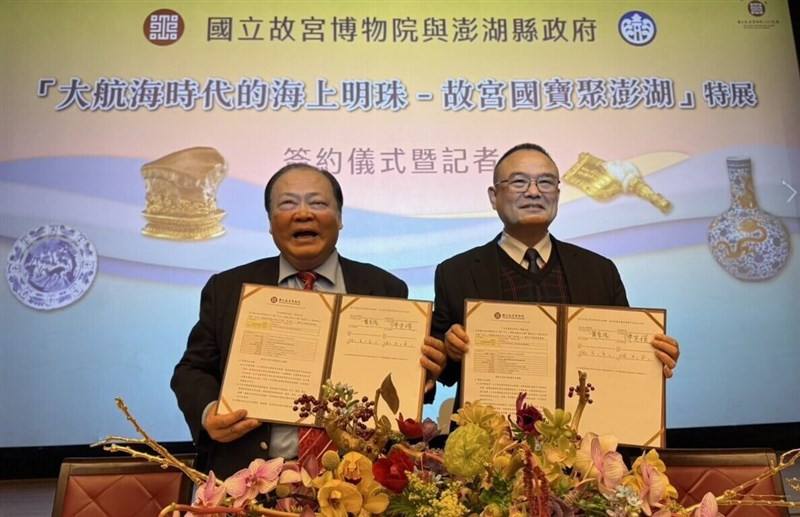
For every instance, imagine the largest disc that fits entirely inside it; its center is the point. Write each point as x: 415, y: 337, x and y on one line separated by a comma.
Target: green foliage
x: 498, y: 494
x: 400, y: 506
x: 389, y: 394
x: 594, y: 505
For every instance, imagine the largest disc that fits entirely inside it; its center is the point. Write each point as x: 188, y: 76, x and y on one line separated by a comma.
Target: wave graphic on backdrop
x: 104, y: 197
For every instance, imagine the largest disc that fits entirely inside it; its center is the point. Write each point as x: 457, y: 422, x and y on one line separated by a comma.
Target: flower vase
x: 748, y: 242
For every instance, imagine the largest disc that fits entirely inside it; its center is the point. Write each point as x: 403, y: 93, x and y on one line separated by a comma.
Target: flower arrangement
x: 533, y: 463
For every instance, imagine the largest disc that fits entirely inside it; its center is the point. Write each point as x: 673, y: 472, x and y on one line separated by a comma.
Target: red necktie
x: 308, y: 278
x: 311, y: 440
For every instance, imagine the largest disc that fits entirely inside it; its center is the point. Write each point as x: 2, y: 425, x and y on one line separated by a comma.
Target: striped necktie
x: 311, y: 441
x: 308, y: 278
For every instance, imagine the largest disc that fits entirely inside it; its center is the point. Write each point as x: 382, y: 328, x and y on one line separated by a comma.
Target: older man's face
x: 520, y: 211
x: 304, y: 218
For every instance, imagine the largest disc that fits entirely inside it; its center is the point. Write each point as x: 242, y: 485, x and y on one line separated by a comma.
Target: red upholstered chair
x: 118, y: 487
x: 694, y: 472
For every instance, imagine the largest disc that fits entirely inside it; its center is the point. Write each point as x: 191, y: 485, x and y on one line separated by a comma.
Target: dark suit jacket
x: 197, y: 377
x: 591, y: 280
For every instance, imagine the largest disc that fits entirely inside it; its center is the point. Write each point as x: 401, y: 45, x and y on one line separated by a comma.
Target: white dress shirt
x: 283, y: 438
x: 516, y: 249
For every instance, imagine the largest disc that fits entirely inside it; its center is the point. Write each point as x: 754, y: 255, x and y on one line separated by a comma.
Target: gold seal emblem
x: 181, y: 194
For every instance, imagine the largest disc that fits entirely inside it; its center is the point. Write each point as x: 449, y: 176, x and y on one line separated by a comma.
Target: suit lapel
x: 571, y: 264
x: 270, y: 271
x: 485, y: 272
x: 355, y: 283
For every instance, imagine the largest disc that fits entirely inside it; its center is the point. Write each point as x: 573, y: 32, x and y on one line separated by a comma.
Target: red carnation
x: 410, y: 428
x: 391, y: 472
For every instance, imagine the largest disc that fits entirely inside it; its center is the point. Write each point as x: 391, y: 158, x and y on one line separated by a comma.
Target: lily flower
x: 260, y: 477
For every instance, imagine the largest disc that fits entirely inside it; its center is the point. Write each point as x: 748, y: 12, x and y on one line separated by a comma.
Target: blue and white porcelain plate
x: 51, y: 266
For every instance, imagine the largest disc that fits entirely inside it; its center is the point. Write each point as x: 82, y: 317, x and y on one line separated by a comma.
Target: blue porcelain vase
x: 748, y: 242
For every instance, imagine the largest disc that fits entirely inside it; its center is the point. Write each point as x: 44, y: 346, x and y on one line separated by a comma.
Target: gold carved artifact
x: 604, y: 181
x: 181, y: 194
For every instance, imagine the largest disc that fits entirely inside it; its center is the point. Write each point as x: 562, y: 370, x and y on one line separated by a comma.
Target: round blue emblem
x: 637, y: 28
x: 51, y: 266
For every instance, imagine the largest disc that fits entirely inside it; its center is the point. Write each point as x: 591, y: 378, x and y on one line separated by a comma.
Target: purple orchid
x: 610, y: 467
x: 260, y: 477
x: 708, y: 507
x: 208, y: 495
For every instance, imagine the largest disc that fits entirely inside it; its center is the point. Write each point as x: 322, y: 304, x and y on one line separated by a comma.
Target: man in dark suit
x: 525, y: 263
x: 304, y: 206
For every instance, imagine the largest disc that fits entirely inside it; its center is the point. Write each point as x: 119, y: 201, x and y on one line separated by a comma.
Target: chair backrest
x: 694, y: 472
x: 118, y: 487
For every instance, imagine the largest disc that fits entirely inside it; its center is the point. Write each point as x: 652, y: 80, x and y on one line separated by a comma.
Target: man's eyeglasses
x: 545, y: 183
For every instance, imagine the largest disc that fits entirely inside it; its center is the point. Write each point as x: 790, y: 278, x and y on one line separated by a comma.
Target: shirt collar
x: 516, y: 249
x: 327, y: 270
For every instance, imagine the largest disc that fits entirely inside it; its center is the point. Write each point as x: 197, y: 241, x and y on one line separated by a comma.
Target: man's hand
x: 229, y: 427
x: 433, y: 360
x: 667, y: 351
x: 456, y: 342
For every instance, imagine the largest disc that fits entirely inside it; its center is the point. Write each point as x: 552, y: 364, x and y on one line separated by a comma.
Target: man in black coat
x: 304, y: 206
x: 524, y: 262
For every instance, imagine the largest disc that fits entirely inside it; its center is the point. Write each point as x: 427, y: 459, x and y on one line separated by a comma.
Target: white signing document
x: 513, y: 348
x: 612, y: 345
x: 379, y: 336
x: 278, y: 351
